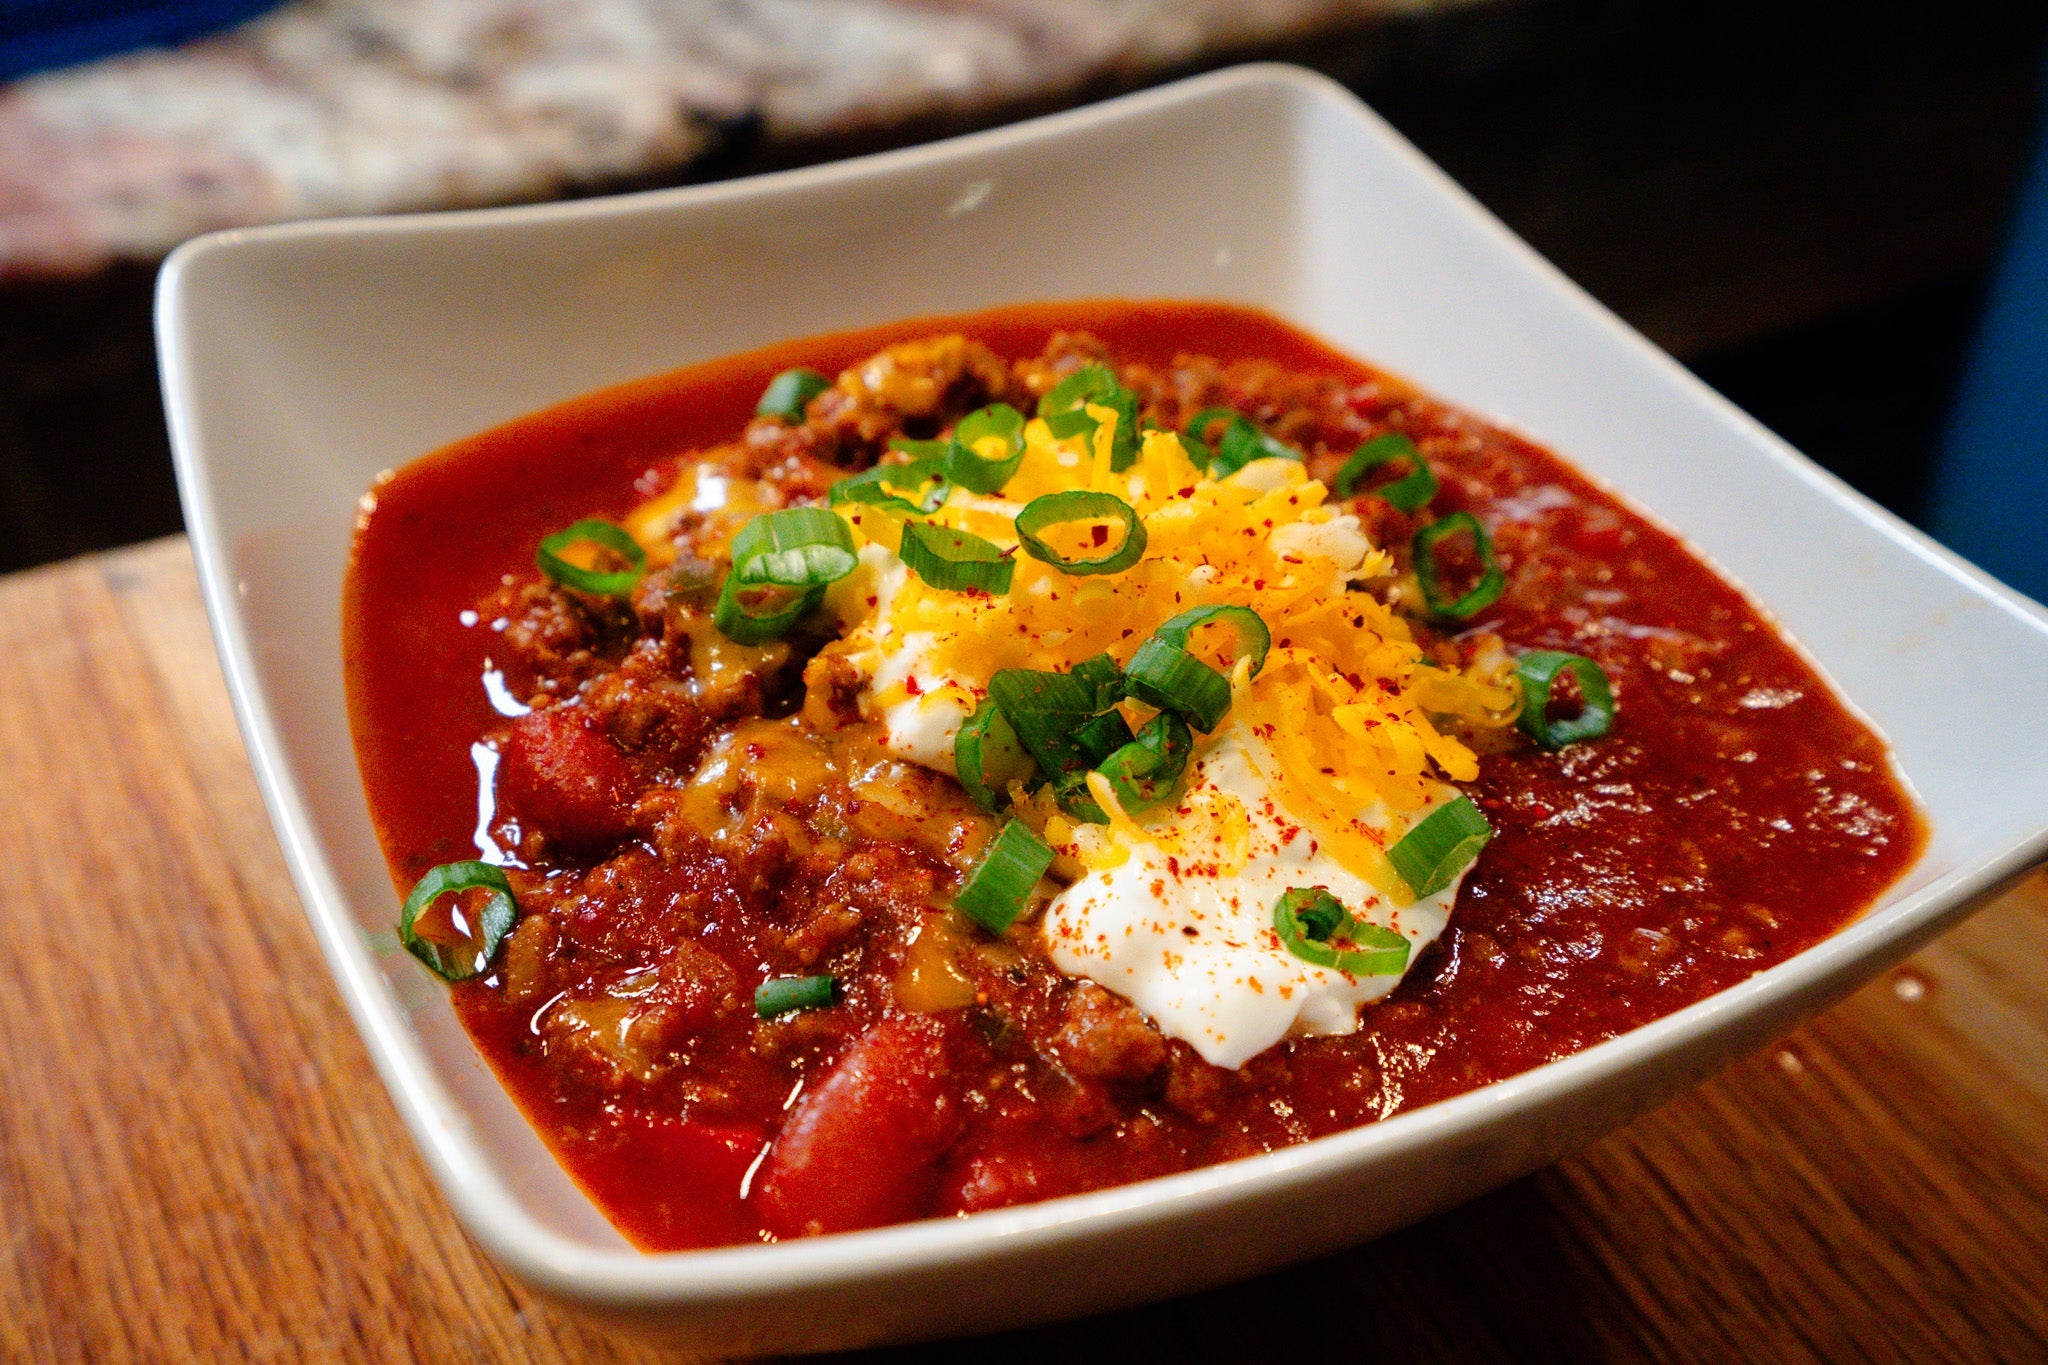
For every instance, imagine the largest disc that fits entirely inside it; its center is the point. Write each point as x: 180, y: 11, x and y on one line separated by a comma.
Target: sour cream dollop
x: 1185, y: 930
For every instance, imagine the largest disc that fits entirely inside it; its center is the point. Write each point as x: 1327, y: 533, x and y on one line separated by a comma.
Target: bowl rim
x: 627, y: 1278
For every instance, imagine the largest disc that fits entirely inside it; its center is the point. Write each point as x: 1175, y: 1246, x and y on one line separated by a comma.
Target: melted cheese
x: 723, y: 500
x: 1326, y: 758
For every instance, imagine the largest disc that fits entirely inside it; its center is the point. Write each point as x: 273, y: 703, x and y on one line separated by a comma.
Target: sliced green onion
x: 1076, y: 422
x: 1308, y: 919
x: 988, y: 757
x: 1538, y: 670
x: 1104, y: 677
x: 921, y: 450
x: 1319, y: 913
x: 1142, y: 772
x: 1198, y: 425
x: 796, y: 547
x: 966, y: 466
x: 1065, y: 411
x: 1092, y: 383
x: 1408, y: 493
x: 1253, y: 638
x: 997, y: 891
x: 1168, y: 677
x: 1071, y: 791
x: 1241, y: 442
x: 955, y: 560
x: 1429, y: 574
x: 1100, y: 736
x: 745, y: 622
x: 788, y: 994
x: 873, y: 487
x: 789, y: 394
x: 1381, y: 951
x: 494, y: 920
x: 1047, y: 711
x: 1056, y: 509
x: 592, y: 531
x: 1035, y: 690
x: 1442, y: 845
x: 1093, y: 744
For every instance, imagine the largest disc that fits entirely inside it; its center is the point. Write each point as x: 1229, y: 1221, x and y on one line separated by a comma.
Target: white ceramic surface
x: 300, y: 361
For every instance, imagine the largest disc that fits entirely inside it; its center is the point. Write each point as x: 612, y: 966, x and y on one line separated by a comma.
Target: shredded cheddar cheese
x: 1342, y: 710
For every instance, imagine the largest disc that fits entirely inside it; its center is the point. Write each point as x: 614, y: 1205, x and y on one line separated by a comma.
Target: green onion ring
x: 1198, y: 425
x: 1055, y: 509
x: 1253, y: 638
x: 500, y: 912
x: 988, y: 757
x: 796, y: 547
x: 788, y: 994
x: 1049, y: 711
x: 1065, y: 410
x: 1319, y: 913
x: 1538, y: 670
x: 997, y: 891
x: 955, y: 560
x: 1100, y: 736
x: 1071, y: 791
x: 1092, y: 383
x: 1166, y: 676
x: 1103, y: 677
x: 789, y: 394
x: 1492, y: 582
x: 1307, y: 917
x: 1408, y: 493
x: 1142, y: 773
x: 593, y: 531
x: 871, y: 486
x: 744, y: 625
x: 966, y: 466
x: 1074, y: 423
x: 1440, y: 846
x: 1241, y: 442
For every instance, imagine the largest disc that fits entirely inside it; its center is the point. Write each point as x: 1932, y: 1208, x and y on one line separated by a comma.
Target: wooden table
x: 197, y: 1162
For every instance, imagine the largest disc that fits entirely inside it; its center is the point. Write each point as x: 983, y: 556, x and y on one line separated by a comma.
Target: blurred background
x: 1836, y: 214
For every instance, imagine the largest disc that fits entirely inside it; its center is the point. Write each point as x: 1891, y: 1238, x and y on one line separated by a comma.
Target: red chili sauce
x: 1736, y: 813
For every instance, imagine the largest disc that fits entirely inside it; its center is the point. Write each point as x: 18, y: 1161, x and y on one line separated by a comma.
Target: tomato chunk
x: 560, y: 775
x: 859, y: 1150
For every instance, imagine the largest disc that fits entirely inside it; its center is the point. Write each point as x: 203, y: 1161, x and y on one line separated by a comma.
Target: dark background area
x: 1800, y: 200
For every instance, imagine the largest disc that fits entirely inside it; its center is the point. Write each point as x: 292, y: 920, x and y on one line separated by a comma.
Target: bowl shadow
x: 1502, y: 1278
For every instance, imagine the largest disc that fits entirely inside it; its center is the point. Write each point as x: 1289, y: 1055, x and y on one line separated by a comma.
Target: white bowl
x: 300, y: 361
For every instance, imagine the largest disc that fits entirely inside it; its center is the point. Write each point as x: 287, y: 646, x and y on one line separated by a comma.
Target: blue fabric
x: 1990, y: 489
x: 38, y: 34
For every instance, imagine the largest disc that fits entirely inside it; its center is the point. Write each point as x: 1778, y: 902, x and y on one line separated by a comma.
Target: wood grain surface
x: 197, y: 1162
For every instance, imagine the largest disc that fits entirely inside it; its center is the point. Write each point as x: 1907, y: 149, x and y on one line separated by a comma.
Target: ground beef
x: 553, y: 639
x: 1106, y: 1038
x: 647, y: 706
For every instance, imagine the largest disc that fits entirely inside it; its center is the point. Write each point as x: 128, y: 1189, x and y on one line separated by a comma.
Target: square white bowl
x: 299, y: 361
